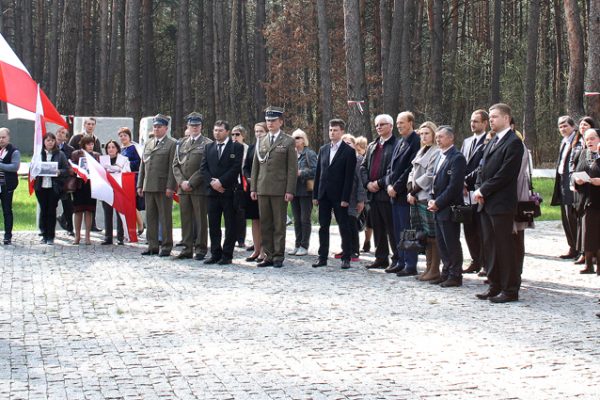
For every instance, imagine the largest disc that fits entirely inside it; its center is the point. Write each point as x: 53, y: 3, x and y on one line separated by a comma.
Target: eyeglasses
x: 381, y: 125
x: 236, y: 134
x: 298, y: 138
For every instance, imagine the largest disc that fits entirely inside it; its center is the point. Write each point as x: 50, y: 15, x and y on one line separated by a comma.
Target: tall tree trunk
x: 8, y: 21
x: 437, y: 49
x: 183, y: 92
x: 393, y: 76
x: 218, y: 62
x: 407, y: 55
x: 358, y: 123
x: 132, y: 59
x: 529, y: 117
x: 26, y: 35
x: 452, y: 50
x: 208, y: 64
x: 39, y: 41
x: 496, y: 62
x: 66, y: 93
x: 385, y: 20
x: 115, y: 61
x: 233, y: 84
x: 103, y: 102
x: 576, y: 59
x: 593, y: 62
x: 558, y: 67
x: 149, y: 95
x: 198, y: 70
x: 324, y: 68
x: 260, y: 59
x: 52, y: 47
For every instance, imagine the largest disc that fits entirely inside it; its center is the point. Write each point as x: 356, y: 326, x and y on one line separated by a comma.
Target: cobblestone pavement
x: 103, y: 322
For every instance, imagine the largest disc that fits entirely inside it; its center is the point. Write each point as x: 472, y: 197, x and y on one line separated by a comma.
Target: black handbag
x: 412, y: 240
x: 530, y: 209
x: 463, y: 213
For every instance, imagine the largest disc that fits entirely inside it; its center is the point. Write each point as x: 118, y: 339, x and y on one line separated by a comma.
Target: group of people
x: 416, y: 182
x: 577, y: 190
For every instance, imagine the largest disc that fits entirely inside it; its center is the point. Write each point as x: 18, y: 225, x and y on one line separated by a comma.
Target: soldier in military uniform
x: 273, y: 183
x: 156, y: 183
x: 192, y: 189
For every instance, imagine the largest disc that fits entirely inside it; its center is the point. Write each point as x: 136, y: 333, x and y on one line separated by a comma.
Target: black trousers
x: 341, y: 216
x: 382, y: 222
x: 474, y: 240
x: 67, y: 205
x: 500, y: 258
x: 48, y: 201
x: 108, y: 223
x: 568, y: 216
x: 302, y: 209
x: 221, y: 206
x: 6, y: 198
x: 354, y: 235
x: 240, y: 224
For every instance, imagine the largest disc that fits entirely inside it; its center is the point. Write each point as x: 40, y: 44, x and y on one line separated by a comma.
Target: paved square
x: 103, y: 322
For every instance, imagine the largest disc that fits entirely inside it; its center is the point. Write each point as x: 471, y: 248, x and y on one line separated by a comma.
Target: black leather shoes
x: 482, y: 273
x: 569, y: 255
x: 378, y: 264
x: 404, y: 273
x: 394, y: 269
x: 212, y: 260
x: 106, y: 242
x: 487, y: 295
x: 120, y: 242
x: 150, y: 252
x: 320, y: 263
x: 277, y: 264
x: 451, y: 282
x: 225, y: 261
x: 164, y: 253
x: 6, y: 242
x: 265, y: 263
x: 183, y: 256
x: 199, y: 256
x: 472, y: 269
x: 345, y: 265
x: 250, y: 259
x: 504, y: 298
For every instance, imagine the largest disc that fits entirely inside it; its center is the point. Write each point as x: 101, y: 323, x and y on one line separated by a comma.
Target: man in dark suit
x: 562, y: 195
x: 497, y: 197
x: 472, y: 149
x: 373, y: 173
x: 66, y: 219
x: 221, y: 168
x: 449, y: 171
x: 397, y: 176
x: 332, y: 189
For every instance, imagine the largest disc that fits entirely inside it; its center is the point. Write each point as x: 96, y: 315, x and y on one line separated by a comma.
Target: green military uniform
x: 186, y: 167
x: 155, y: 177
x: 274, y: 173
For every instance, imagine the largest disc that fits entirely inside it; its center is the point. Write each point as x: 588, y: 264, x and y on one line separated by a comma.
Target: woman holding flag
x: 83, y: 203
x: 48, y: 189
x: 114, y: 163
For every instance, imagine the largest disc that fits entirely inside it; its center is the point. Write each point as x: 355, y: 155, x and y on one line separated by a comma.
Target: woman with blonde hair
x: 361, y: 144
x: 420, y: 182
x: 302, y: 203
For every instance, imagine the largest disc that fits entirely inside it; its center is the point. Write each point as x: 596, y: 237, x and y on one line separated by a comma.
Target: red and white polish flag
x: 118, y: 190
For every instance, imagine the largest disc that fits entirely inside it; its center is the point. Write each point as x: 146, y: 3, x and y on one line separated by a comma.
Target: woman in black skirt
x: 83, y: 204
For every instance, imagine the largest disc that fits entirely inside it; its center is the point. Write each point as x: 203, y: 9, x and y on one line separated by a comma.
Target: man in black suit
x: 332, y: 189
x: 562, y: 195
x: 449, y: 171
x: 66, y: 219
x: 472, y: 149
x: 397, y: 176
x: 221, y: 168
x: 497, y: 197
x: 373, y: 173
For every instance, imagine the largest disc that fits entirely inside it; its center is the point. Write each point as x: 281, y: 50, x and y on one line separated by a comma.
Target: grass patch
x: 545, y: 186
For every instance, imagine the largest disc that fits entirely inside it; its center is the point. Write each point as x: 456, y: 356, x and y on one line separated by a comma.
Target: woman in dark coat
x: 588, y: 199
x: 83, y: 204
x: 48, y: 189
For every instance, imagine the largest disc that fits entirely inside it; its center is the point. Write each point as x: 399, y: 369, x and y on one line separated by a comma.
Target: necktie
x: 271, y: 139
x: 472, y: 149
x: 220, y: 145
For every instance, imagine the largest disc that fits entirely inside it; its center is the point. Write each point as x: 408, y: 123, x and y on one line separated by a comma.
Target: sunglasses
x: 298, y: 138
x: 236, y: 134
